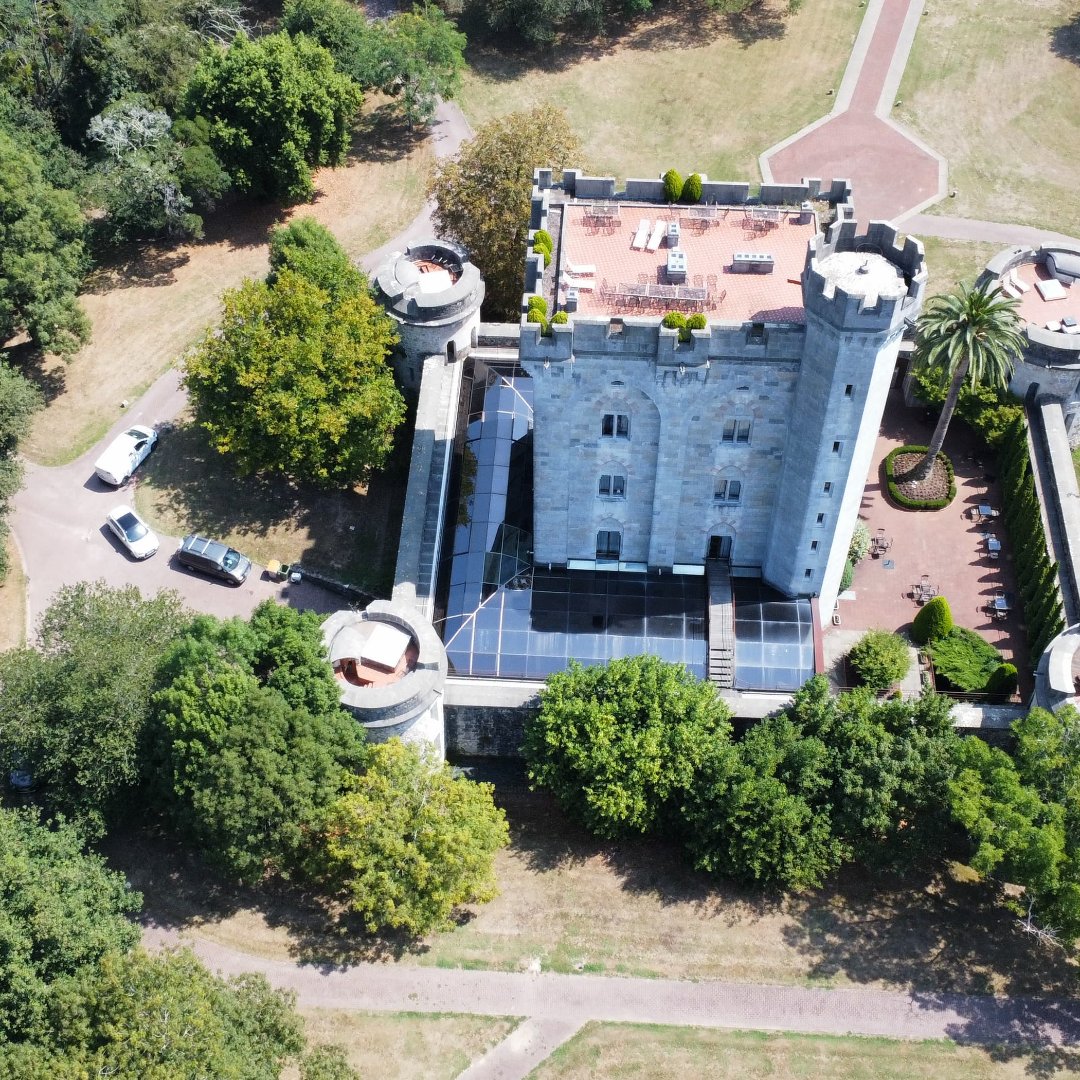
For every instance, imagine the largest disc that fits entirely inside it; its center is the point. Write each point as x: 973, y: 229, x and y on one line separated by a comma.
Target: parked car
x: 132, y: 532
x: 214, y: 558
x: 125, y: 454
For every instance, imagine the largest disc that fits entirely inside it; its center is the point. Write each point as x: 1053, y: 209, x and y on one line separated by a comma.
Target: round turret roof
x: 429, y: 283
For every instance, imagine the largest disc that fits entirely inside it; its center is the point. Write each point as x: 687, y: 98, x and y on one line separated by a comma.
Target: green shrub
x: 673, y: 186
x: 538, y: 303
x: 542, y: 236
x: 880, y: 659
x: 989, y: 411
x: 934, y: 620
x: 859, y: 547
x: 560, y: 318
x: 697, y: 321
x: 691, y: 192
x: 903, y: 500
x: 848, y: 576
x: 535, y: 315
x: 964, y: 661
x: 1002, y: 683
x: 676, y: 320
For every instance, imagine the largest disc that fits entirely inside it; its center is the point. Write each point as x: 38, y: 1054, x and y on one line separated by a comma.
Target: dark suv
x: 214, y: 558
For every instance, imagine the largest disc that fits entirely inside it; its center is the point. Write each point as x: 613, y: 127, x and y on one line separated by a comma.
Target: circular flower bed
x: 936, y: 491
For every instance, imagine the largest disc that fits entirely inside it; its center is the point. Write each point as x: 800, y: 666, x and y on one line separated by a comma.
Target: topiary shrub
x: 848, y: 576
x: 697, y: 321
x: 964, y: 661
x: 859, y: 547
x: 535, y: 315
x: 542, y: 236
x: 933, y: 621
x: 676, y: 320
x: 880, y: 659
x: 538, y: 303
x: 1002, y: 683
x: 673, y: 186
x: 691, y: 192
x: 560, y: 317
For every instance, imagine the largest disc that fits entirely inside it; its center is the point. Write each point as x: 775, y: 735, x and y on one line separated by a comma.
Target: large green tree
x: 409, y: 842
x: 971, y: 336
x: 296, y: 381
x: 482, y: 195
x: 138, y: 1016
x: 424, y: 58
x: 19, y: 400
x: 42, y: 257
x: 60, y: 910
x: 312, y: 251
x: 619, y: 743
x: 276, y: 107
x: 75, y: 709
x: 251, y: 744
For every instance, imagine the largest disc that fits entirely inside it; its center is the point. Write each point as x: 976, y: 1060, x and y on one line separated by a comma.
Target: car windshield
x: 132, y: 527
x: 136, y: 435
x: 231, y: 560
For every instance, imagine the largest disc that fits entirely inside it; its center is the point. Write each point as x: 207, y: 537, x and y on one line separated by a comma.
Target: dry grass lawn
x: 953, y: 261
x: 150, y: 304
x: 408, y: 1046
x: 992, y: 85
x: 13, y: 600
x: 575, y: 904
x: 686, y: 87
x: 603, y: 1051
x: 353, y: 535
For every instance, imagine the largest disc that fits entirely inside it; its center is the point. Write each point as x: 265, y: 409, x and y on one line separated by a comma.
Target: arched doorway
x: 719, y: 546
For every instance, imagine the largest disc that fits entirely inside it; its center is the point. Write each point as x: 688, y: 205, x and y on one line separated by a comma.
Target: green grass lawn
x: 684, y: 88
x: 407, y: 1046
x: 950, y: 262
x: 617, y: 1051
x: 993, y: 85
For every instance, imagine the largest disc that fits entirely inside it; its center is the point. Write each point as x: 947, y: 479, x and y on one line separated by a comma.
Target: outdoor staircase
x: 721, y: 663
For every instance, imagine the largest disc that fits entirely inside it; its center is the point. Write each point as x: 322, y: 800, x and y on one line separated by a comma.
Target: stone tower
x: 859, y: 291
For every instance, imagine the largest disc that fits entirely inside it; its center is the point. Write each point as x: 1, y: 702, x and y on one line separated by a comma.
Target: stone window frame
x: 738, y: 431
x: 611, y: 486
x: 607, y: 549
x: 615, y: 425
x: 727, y: 490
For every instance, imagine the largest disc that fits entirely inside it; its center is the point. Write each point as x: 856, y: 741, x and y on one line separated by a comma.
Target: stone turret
x: 859, y: 293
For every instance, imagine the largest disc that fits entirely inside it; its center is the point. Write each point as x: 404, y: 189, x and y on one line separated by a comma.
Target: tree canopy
x: 251, y: 744
x: 482, y: 196
x: 409, y: 842
x: 138, y: 1016
x: 312, y: 251
x: 276, y: 107
x: 424, y: 58
x: 75, y: 709
x: 42, y: 256
x: 618, y: 743
x: 968, y: 336
x: 19, y: 400
x: 60, y: 910
x: 296, y: 381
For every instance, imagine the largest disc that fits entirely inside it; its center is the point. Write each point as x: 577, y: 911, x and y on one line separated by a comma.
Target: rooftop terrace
x: 616, y: 255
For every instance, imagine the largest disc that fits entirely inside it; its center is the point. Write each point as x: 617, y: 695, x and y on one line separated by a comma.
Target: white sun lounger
x: 585, y: 270
x: 1017, y: 281
x: 1009, y: 289
x: 582, y: 284
x: 641, y: 235
x: 658, y: 234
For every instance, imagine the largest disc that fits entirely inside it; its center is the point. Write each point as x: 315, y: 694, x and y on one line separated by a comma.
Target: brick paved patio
x: 947, y: 544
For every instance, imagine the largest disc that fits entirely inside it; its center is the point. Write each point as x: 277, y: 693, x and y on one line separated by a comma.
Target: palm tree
x: 970, y: 335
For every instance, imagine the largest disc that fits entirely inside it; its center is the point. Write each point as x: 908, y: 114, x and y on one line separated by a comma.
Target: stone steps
x: 721, y: 656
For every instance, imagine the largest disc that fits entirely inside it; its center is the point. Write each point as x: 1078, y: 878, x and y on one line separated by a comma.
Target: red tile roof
x: 773, y: 297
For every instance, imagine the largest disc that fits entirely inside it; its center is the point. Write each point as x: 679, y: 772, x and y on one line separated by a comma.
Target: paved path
x: 892, y: 172
x: 995, y: 232
x: 575, y: 999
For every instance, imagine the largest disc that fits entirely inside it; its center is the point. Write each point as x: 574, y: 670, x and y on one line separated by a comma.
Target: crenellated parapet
x: 864, y: 281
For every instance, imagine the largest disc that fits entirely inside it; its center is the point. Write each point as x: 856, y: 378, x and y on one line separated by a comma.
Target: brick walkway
x: 892, y: 173
x: 946, y: 544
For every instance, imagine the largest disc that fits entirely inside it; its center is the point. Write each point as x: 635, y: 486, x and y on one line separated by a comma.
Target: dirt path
x: 892, y: 173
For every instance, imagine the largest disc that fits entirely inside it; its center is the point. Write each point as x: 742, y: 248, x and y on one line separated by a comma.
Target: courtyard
x: 949, y: 546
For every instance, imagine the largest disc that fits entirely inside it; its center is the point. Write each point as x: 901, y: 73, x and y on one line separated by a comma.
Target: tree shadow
x: 135, y: 266
x: 381, y: 136
x: 351, y: 534
x: 1065, y: 40
x: 40, y: 368
x: 182, y: 892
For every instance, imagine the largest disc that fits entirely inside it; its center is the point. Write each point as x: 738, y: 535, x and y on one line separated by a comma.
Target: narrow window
x: 605, y: 485
x: 808, y: 573
x: 814, y: 543
x: 618, y: 487
x: 837, y: 447
x: 821, y: 519
x: 622, y: 426
x: 729, y: 431
x: 826, y: 488
x: 849, y: 390
x: 615, y: 426
x: 608, y: 544
x: 607, y: 425
x: 744, y: 431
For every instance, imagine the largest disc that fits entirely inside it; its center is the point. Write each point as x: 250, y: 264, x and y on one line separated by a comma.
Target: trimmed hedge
x: 966, y: 661
x: 543, y: 243
x: 697, y: 321
x: 676, y: 320
x: 538, y: 303
x: 880, y: 659
x: 932, y: 621
x: 848, y: 576
x: 903, y: 500
x: 559, y: 318
x: 535, y: 315
x: 673, y: 186
x: 691, y: 192
x: 1036, y: 573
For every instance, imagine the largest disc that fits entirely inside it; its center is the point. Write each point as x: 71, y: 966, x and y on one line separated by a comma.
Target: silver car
x: 132, y: 532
